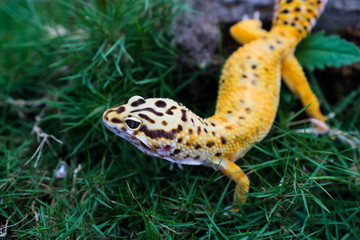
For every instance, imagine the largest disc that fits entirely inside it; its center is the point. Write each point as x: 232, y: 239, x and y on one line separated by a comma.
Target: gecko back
x: 301, y: 15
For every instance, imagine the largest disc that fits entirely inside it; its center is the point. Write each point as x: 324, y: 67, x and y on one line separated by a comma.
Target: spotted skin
x: 247, y: 101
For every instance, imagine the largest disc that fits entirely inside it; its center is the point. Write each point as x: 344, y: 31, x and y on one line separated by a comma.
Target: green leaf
x: 319, y: 51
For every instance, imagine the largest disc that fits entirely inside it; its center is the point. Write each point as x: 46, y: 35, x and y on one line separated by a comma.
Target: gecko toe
x: 256, y: 15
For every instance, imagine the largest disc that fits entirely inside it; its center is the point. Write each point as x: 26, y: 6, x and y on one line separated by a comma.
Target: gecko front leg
x: 234, y: 172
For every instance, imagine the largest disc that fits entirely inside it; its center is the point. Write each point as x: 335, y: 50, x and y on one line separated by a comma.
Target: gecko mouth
x: 129, y: 137
x: 144, y: 145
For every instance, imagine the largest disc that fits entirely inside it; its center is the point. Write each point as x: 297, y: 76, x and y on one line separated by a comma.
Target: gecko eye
x: 132, y: 123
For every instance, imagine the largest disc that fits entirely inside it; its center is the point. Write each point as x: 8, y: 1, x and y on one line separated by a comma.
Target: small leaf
x: 319, y: 51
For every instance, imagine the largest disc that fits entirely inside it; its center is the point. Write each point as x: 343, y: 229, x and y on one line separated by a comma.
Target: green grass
x: 302, y: 186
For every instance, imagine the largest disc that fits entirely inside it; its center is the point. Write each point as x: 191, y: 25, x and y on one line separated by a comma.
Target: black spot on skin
x: 256, y: 75
x: 309, y: 10
x: 146, y: 117
x: 159, y: 133
x: 198, y: 130
x: 176, y: 151
x: 222, y: 81
x: 289, y: 1
x: 210, y: 144
x: 248, y: 110
x: 190, y: 131
x: 266, y: 69
x: 253, y: 66
x: 218, y: 154
x: 192, y: 120
x: 183, y: 116
x: 149, y: 110
x: 197, y: 157
x: 180, y: 128
x: 297, y: 9
x: 164, y: 123
x: 278, y: 42
x: 169, y: 111
x: 197, y: 146
x: 160, y: 104
x: 271, y: 47
x: 223, y: 140
x: 205, y: 130
x: 244, y: 76
x: 115, y: 120
x: 241, y: 118
x: 138, y: 102
x: 213, y: 133
x: 228, y: 127
x: 286, y: 22
x: 187, y: 155
x: 213, y: 124
x: 123, y: 129
x: 296, y: 19
x: 179, y: 140
x: 285, y: 11
x: 120, y: 110
x: 229, y: 112
x: 293, y: 24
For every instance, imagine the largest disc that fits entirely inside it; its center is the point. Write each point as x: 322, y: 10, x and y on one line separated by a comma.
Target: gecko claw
x: 256, y: 16
x: 245, y: 17
x: 179, y: 165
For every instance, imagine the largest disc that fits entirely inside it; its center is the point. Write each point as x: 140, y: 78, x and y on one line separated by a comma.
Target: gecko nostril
x: 106, y: 118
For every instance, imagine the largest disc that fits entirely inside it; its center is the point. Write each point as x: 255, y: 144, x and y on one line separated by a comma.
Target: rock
x: 198, y: 32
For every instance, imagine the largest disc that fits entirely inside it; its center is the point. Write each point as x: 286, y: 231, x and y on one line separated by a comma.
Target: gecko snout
x: 105, y: 117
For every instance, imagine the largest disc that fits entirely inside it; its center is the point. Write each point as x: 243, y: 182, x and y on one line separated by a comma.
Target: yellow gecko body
x: 247, y: 100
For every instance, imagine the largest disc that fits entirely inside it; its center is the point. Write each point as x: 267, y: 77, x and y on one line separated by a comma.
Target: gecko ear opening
x: 132, y: 123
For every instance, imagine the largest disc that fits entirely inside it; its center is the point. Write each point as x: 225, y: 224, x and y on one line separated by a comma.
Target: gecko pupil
x: 132, y: 124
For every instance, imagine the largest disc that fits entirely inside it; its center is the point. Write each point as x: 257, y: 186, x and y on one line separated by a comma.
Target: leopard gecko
x: 247, y: 102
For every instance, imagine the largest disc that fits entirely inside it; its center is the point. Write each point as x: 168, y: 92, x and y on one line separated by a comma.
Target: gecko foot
x: 322, y: 128
x: 231, y: 210
x: 318, y: 128
x: 179, y: 165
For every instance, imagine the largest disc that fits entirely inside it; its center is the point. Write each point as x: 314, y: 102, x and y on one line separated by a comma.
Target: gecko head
x: 153, y: 125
